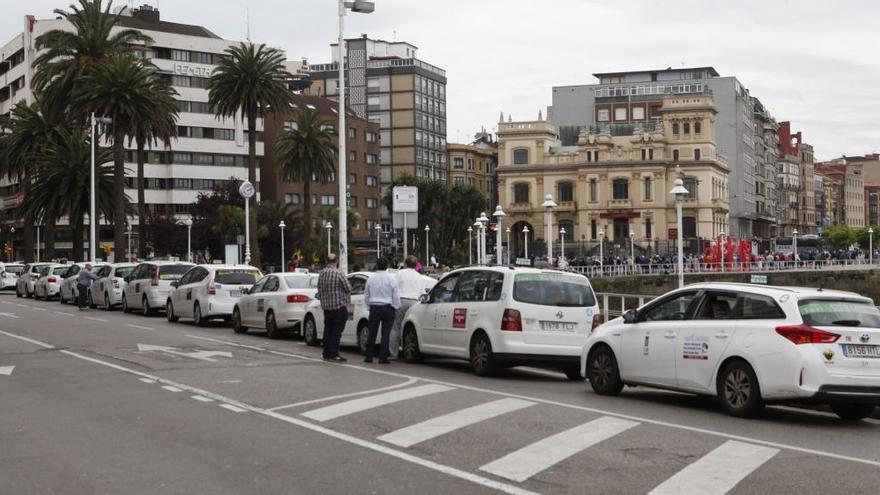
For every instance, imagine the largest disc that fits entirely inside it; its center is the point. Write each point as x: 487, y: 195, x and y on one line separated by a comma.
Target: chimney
x: 146, y: 13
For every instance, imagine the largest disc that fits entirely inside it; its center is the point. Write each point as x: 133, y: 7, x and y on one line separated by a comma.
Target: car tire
x: 18, y: 292
x: 107, y: 305
x: 739, y: 391
x: 28, y: 294
x: 853, y: 412
x: 198, y: 319
x: 146, y: 309
x: 363, y: 335
x: 411, y: 351
x: 237, y: 327
x: 310, y: 332
x: 603, y: 372
x: 573, y: 373
x: 125, y: 308
x: 272, y: 329
x: 169, y: 312
x: 483, y: 360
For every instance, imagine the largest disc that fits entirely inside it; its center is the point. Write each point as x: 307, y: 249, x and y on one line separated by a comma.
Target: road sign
x: 406, y: 199
x: 201, y: 355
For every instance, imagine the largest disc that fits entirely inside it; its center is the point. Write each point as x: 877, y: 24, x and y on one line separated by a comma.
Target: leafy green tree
x: 250, y: 79
x: 166, y: 236
x: 839, y: 236
x: 863, y: 238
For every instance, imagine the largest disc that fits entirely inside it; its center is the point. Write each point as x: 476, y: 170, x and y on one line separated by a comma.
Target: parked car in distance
x: 24, y: 286
x: 69, y: 291
x: 148, y: 285
x: 9, y: 273
x: 207, y: 292
x: 747, y: 345
x: 277, y: 302
x: 107, y: 291
x: 48, y: 284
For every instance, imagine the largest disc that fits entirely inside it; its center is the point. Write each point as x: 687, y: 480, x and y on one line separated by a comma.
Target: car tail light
x: 805, y: 334
x: 51, y: 280
x: 154, y: 275
x: 212, y: 289
x: 298, y: 298
x: 511, y: 321
x: 598, y: 319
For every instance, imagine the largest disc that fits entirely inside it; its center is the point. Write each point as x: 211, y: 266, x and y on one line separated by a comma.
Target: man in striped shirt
x: 334, y: 293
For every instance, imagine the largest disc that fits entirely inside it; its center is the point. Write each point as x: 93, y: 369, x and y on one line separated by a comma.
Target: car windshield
x: 123, y: 271
x: 552, y: 289
x: 301, y: 281
x: 825, y: 313
x: 15, y: 269
x: 60, y: 270
x: 236, y: 277
x: 45, y: 271
x: 172, y: 272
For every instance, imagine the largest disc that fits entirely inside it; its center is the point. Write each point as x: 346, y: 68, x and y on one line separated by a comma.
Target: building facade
x: 362, y: 148
x: 851, y: 191
x: 475, y: 164
x: 766, y: 172
x: 612, y: 183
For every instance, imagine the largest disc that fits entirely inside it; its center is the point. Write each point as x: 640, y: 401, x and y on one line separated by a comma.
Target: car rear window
x: 15, y: 269
x: 552, y: 289
x: 124, y: 271
x: 301, y: 281
x: 61, y: 270
x: 172, y: 272
x: 236, y: 277
x: 825, y: 313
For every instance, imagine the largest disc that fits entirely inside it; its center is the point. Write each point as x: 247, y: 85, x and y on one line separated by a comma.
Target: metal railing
x: 652, y: 269
x: 613, y: 305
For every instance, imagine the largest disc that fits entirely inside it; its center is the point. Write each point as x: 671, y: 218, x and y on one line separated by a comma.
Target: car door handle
x: 721, y: 335
x: 670, y: 335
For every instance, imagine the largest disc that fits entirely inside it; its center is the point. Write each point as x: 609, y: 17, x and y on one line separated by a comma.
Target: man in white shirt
x: 381, y: 296
x: 410, y: 285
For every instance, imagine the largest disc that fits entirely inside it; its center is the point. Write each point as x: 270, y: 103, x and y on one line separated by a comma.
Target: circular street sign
x: 246, y: 190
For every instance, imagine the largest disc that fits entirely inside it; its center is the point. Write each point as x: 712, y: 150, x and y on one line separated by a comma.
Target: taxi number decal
x: 459, y: 318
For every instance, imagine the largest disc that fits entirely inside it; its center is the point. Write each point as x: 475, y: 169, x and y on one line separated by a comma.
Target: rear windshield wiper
x: 847, y: 323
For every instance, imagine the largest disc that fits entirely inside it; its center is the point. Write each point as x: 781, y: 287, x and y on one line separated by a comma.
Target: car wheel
x: 91, y: 299
x: 738, y: 390
x: 411, y: 351
x: 363, y: 336
x: 198, y: 320
x: 852, y: 412
x: 603, y: 372
x: 27, y: 293
x: 147, y: 311
x: 483, y: 360
x: 272, y: 326
x: 310, y: 334
x: 125, y: 308
x: 169, y: 312
x: 107, y: 305
x: 237, y: 327
x: 573, y: 373
x: 17, y: 292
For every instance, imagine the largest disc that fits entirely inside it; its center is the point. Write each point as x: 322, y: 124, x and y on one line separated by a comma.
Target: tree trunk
x: 27, y: 251
x: 118, y: 195
x: 77, y: 240
x: 307, y: 206
x: 141, y: 206
x: 49, y: 242
x: 252, y: 177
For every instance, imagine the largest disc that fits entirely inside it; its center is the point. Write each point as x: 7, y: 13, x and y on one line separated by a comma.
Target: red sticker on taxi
x: 459, y: 318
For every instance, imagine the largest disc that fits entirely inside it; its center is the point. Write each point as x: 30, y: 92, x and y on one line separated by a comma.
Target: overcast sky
x: 813, y: 63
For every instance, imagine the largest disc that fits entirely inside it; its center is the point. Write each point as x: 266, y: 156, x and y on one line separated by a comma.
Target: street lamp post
x: 128, y: 231
x: 329, y: 227
x: 508, y: 245
x: 562, y: 244
x: 93, y: 240
x: 499, y: 216
x: 794, y: 257
x: 478, y: 227
x: 363, y: 7
x: 602, y: 250
x: 38, y: 243
x: 378, y: 241
x: 679, y: 191
x: 189, y: 225
x: 526, y: 240
x: 282, y: 226
x: 632, y: 246
x: 870, y: 245
x: 427, y: 244
x: 723, y: 245
x: 484, y: 228
x: 247, y: 191
x: 548, y: 205
x: 470, y: 231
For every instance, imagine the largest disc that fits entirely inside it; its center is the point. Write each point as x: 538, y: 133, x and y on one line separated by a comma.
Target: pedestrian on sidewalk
x: 410, y: 285
x: 83, y: 281
x: 381, y: 296
x: 334, y: 292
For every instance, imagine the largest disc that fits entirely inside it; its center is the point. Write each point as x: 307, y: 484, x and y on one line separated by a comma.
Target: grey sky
x: 810, y: 62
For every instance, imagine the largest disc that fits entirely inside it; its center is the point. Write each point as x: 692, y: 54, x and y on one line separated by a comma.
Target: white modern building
x: 208, y: 150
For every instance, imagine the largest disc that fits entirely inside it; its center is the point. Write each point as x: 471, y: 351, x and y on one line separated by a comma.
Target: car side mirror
x: 245, y: 290
x: 630, y: 316
x: 423, y: 298
x: 174, y: 284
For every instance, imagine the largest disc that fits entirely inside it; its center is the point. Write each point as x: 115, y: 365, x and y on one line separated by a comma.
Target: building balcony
x: 566, y: 206
x: 620, y: 203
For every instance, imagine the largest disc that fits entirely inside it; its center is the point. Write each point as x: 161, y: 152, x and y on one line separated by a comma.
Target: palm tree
x: 160, y: 124
x: 305, y: 152
x: 122, y: 88
x: 66, y: 56
x: 61, y: 185
x: 250, y: 79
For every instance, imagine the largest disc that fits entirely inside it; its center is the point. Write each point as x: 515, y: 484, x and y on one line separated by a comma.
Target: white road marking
x: 201, y: 398
x: 359, y: 405
x: 441, y: 425
x: 229, y: 381
x: 825, y: 414
x: 22, y: 305
x: 139, y: 327
x: 342, y: 396
x: 9, y: 315
x: 530, y: 460
x: 201, y: 355
x: 171, y: 388
x: 253, y: 347
x: 102, y: 320
x: 32, y: 341
x: 6, y: 370
x: 441, y: 468
x: 62, y: 313
x: 718, y: 471
x: 147, y: 380
x: 8, y: 302
x: 39, y: 309
x: 232, y: 408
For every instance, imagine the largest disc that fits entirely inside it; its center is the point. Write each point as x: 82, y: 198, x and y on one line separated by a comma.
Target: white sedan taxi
x: 48, y: 285
x: 9, y: 273
x: 504, y: 316
x: 24, y: 286
x: 107, y: 290
x: 68, y: 291
x: 277, y: 302
x: 747, y: 345
x: 208, y: 292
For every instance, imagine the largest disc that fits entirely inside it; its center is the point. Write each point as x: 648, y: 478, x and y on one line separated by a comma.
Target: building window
x: 371, y: 137
x: 648, y: 233
x: 675, y: 129
x: 352, y: 133
x: 328, y: 127
x: 458, y: 163
x: 638, y: 113
x: 521, y: 193
x: 353, y: 201
x: 372, y: 181
x: 594, y: 190
x: 649, y: 189
x: 328, y: 200
x: 691, y: 186
x: 352, y: 156
x: 372, y: 203
x: 352, y: 178
x: 371, y: 158
x: 603, y: 115
x: 314, y: 199
x: 697, y: 154
x: 675, y: 155
x: 458, y: 181
x: 292, y: 199
x: 620, y: 189
x: 697, y: 128
x: 568, y: 225
x: 620, y: 114
x: 593, y: 230
x: 565, y: 192
x: 687, y: 127
x: 521, y: 157
x: 688, y: 227
x: 291, y: 125
x: 647, y: 153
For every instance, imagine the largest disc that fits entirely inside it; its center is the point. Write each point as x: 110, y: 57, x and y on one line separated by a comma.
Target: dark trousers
x: 82, y: 291
x: 383, y: 314
x: 334, y: 324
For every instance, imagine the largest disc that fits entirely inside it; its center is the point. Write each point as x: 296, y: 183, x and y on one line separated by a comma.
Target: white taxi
x: 747, y: 345
x: 107, y: 290
x: 68, y: 291
x: 207, y: 292
x: 504, y: 316
x: 148, y: 285
x: 9, y: 273
x: 24, y: 286
x: 48, y: 284
x: 277, y: 302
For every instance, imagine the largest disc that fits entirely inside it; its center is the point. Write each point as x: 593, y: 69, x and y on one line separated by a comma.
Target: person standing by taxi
x: 334, y: 292
x: 83, y: 281
x: 381, y: 296
x: 410, y: 285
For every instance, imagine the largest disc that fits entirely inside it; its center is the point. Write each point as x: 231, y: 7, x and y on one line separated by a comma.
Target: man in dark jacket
x: 83, y: 281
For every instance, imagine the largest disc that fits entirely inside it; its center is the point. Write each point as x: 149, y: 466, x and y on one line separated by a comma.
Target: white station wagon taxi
x: 277, y: 302
x: 209, y: 291
x: 747, y: 345
x: 504, y: 316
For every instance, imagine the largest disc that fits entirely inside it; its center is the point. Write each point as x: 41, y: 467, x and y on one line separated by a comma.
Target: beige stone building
x: 617, y: 179
x: 475, y: 164
x: 851, y: 192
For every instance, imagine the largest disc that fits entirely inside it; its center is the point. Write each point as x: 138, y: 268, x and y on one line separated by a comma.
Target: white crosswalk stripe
x: 528, y: 461
x: 447, y: 423
x: 718, y: 471
x: 365, y: 403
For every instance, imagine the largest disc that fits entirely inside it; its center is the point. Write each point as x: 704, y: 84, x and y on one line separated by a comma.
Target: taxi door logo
x: 459, y: 318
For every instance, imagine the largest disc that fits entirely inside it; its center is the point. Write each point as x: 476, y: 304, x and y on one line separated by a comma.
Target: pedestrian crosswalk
x: 365, y: 403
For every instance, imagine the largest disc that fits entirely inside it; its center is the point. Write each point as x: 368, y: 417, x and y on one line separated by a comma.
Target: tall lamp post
x: 282, y: 226
x: 601, y: 250
x: 548, y: 205
x: 723, y: 245
x: 478, y: 228
x: 427, y: 245
x: 378, y: 241
x: 499, y: 216
x: 329, y: 227
x: 632, y: 246
x: 562, y: 244
x: 508, y: 245
x: 470, y: 231
x: 189, y: 225
x: 38, y: 243
x: 870, y: 245
x: 247, y: 191
x: 794, y: 257
x: 93, y: 240
x: 526, y: 240
x: 128, y: 231
x: 484, y: 229
x: 363, y: 7
x: 679, y: 191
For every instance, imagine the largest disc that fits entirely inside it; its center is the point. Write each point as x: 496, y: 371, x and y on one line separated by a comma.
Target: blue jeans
x: 383, y: 314
x: 334, y: 324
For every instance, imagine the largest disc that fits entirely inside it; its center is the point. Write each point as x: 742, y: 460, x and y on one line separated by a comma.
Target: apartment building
x: 851, y: 191
x: 475, y: 164
x: 766, y: 172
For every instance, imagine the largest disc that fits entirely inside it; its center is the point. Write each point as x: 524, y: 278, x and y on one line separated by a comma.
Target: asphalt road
x: 97, y: 402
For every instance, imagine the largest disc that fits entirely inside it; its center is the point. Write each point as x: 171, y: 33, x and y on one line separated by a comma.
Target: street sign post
x: 405, y: 200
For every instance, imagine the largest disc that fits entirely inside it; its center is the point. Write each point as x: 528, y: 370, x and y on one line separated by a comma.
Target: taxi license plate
x: 234, y: 293
x: 861, y: 351
x: 557, y: 326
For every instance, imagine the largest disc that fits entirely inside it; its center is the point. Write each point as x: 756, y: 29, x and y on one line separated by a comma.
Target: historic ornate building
x: 616, y: 179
